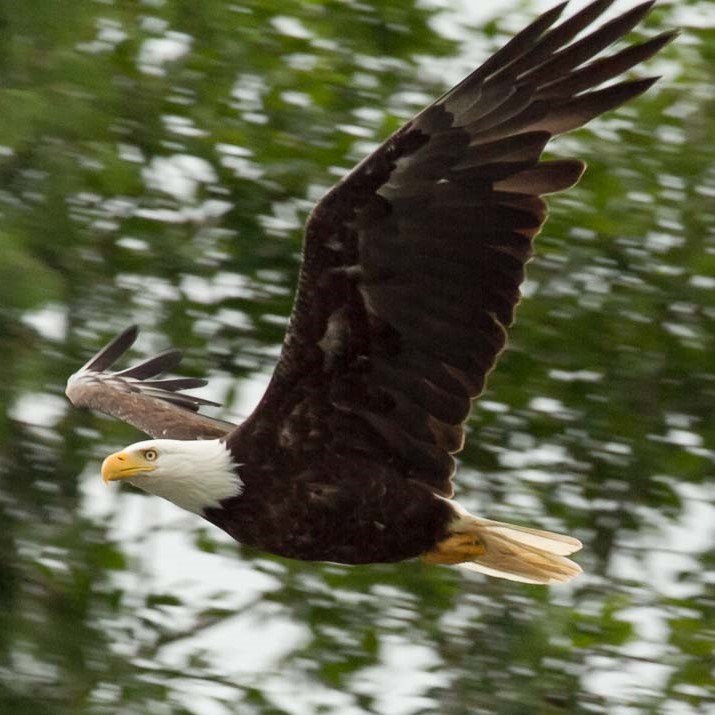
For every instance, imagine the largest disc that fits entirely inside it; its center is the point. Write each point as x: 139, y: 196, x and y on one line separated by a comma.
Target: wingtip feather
x: 112, y: 351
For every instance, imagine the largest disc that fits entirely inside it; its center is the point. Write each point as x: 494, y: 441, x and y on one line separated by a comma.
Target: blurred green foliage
x: 157, y: 161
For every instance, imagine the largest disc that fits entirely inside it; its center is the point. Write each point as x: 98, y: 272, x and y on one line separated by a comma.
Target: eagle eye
x: 150, y: 455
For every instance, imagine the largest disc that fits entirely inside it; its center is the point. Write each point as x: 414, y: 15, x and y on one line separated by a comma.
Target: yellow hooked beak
x: 123, y: 465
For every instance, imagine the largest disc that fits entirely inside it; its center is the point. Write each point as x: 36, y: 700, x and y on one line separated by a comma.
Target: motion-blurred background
x: 157, y: 161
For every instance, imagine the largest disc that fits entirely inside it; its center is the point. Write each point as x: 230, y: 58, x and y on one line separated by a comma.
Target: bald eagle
x: 411, y: 271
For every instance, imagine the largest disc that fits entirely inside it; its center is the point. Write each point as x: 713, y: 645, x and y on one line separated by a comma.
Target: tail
x: 513, y: 552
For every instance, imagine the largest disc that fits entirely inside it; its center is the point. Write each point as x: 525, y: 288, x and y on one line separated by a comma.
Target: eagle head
x: 195, y: 475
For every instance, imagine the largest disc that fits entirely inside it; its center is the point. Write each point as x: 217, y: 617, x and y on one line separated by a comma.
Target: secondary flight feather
x: 410, y: 276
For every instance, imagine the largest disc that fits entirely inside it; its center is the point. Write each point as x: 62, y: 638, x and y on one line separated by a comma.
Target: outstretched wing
x: 135, y: 395
x: 412, y: 263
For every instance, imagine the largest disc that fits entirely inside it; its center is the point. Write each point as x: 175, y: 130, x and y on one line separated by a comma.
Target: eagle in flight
x: 410, y: 276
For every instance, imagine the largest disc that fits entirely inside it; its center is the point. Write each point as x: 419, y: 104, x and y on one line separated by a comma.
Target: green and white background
x: 157, y: 161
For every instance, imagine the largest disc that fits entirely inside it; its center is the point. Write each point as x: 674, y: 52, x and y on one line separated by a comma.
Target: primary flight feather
x: 411, y: 272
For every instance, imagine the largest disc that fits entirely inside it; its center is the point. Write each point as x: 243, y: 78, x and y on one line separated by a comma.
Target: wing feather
x: 157, y: 407
x: 412, y: 265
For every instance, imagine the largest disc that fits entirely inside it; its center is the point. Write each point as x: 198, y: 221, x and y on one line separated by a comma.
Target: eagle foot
x: 455, y: 549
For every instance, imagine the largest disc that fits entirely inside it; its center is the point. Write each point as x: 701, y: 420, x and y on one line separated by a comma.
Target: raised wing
x: 135, y: 395
x: 412, y: 263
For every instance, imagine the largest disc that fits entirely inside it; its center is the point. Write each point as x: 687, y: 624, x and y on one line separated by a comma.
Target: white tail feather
x: 559, y: 544
x: 513, y: 552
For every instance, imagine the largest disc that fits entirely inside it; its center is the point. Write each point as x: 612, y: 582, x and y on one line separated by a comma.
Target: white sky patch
x: 195, y: 695
x: 216, y: 390
x: 544, y: 454
x: 291, y: 26
x: 220, y: 287
x: 156, y: 52
x: 613, y: 678
x: 158, y: 537
x: 38, y: 408
x: 694, y: 532
x: 575, y: 375
x: 233, y: 149
x: 492, y: 406
x: 250, y: 643
x: 455, y: 21
x: 147, y: 290
x: 402, y: 681
x: 49, y: 321
x: 130, y: 152
x: 237, y: 319
x: 551, y: 406
x: 356, y: 130
x: 299, y: 99
x: 179, y: 175
x: 137, y: 245
x: 369, y: 115
x: 237, y: 158
x: 182, y: 126
x: 152, y: 23
x: 243, y: 168
x: 315, y: 698
x: 617, y: 448
x: 98, y: 501
x: 109, y: 35
x: 660, y: 242
x: 248, y: 92
x: 705, y: 282
x: 208, y: 210
x: 300, y: 61
x: 698, y: 15
x: 683, y: 438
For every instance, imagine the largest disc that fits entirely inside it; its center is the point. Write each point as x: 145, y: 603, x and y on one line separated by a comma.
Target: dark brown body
x: 346, y: 510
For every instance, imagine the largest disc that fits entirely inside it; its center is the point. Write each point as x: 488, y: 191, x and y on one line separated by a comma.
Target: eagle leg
x: 513, y: 552
x: 455, y: 549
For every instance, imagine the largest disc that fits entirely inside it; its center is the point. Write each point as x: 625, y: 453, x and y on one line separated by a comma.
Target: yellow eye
x: 150, y: 455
